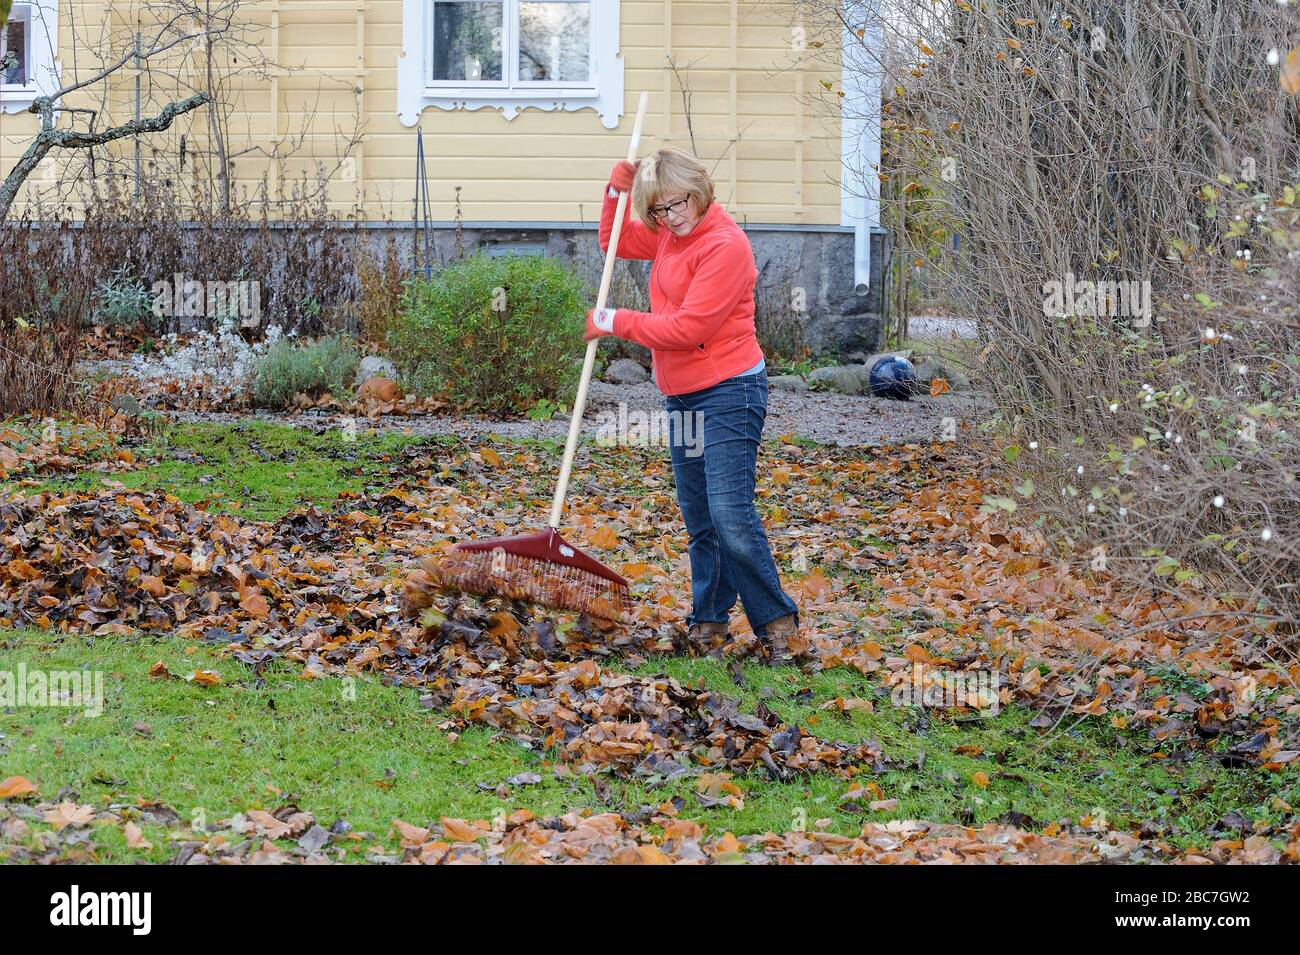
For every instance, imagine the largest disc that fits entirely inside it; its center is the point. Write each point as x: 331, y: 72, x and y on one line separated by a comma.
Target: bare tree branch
x: 51, y: 137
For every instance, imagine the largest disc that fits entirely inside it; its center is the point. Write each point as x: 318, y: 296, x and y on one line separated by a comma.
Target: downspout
x: 861, y: 252
x: 860, y: 133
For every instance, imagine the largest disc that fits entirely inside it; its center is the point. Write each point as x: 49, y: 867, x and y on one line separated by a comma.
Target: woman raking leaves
x: 709, y: 366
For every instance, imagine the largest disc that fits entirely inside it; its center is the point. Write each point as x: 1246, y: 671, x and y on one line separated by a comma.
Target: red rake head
x: 542, y: 568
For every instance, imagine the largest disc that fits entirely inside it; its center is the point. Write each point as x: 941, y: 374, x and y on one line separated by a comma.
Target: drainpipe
x: 860, y: 133
x: 861, y: 252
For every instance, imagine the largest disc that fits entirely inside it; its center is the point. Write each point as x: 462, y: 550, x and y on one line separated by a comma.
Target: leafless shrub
x: 40, y: 317
x: 779, y: 327
x: 381, y: 280
x: 302, y: 256
x: 1150, y: 145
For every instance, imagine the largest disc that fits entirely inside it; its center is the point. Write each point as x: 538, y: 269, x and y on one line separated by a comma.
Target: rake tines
x: 538, y: 568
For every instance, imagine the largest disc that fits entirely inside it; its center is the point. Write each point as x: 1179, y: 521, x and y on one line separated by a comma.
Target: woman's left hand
x: 599, y: 324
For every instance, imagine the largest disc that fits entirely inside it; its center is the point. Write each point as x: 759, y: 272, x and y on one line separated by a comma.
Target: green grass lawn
x: 257, y: 470
x: 367, y: 753
x: 355, y: 750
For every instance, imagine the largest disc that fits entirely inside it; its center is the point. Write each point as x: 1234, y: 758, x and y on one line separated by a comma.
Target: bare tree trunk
x: 214, y: 117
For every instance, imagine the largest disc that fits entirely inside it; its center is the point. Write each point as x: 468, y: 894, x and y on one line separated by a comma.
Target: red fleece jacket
x: 700, y: 327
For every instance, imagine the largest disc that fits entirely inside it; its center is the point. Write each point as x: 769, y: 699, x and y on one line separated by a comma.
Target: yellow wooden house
x: 523, y: 106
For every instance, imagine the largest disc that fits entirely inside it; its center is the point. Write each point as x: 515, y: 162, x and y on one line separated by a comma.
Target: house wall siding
x: 767, y: 127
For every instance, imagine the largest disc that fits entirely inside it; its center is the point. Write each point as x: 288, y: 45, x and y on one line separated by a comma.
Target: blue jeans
x: 714, y: 454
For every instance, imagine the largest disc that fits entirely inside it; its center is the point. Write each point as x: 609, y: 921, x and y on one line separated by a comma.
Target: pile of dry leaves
x: 46, y: 447
x: 64, y: 832
x: 893, y: 562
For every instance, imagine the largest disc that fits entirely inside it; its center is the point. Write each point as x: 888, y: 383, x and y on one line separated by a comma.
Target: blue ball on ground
x: 893, y: 377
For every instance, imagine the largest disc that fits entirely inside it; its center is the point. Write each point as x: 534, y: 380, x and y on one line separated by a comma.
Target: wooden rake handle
x: 589, y: 362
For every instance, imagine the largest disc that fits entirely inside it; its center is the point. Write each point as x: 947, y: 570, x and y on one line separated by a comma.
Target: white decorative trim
x: 415, y: 94
x: 45, y: 65
x: 860, y: 123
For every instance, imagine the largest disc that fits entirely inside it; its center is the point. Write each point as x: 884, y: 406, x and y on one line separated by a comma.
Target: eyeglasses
x: 677, y: 207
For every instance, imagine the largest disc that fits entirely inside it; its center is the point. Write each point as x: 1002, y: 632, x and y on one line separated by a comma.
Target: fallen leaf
x: 16, y: 787
x: 459, y: 830
x: 411, y: 835
x: 135, y: 837
x: 1290, y: 75
x: 266, y: 824
x: 69, y: 814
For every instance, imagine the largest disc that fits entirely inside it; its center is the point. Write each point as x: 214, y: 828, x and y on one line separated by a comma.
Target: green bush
x: 492, y: 334
x: 122, y: 301
x: 313, y: 368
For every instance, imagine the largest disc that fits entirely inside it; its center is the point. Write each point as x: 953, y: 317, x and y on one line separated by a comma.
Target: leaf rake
x: 543, y: 568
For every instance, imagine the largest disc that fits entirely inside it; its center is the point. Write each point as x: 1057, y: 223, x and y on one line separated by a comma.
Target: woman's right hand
x: 623, y: 175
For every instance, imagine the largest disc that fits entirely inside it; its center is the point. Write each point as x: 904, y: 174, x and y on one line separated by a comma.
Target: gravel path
x: 940, y: 327
x: 842, y: 420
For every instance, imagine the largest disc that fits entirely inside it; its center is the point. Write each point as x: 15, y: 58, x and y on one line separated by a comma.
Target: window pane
x: 555, y: 42
x: 13, y: 50
x: 467, y: 40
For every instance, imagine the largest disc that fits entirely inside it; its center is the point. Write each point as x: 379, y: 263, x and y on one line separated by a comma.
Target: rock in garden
x: 625, y: 371
x: 788, y: 383
x: 956, y: 380
x: 845, y: 379
x: 905, y: 353
x: 126, y: 404
x: 928, y: 369
x: 376, y: 366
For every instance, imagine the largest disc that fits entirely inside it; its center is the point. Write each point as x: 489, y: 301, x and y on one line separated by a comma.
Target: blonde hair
x: 669, y: 172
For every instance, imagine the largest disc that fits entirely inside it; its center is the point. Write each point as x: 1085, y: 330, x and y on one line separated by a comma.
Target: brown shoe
x: 708, y: 636
x: 781, y: 637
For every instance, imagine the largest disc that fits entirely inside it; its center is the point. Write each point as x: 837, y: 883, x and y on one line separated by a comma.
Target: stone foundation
x: 819, y: 261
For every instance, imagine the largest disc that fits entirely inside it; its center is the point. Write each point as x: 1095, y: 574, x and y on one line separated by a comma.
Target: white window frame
x: 417, y: 90
x: 19, y: 14
x: 42, y: 17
